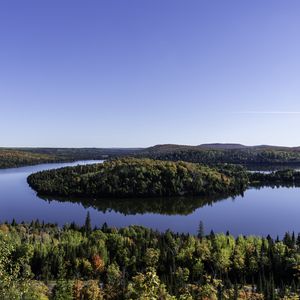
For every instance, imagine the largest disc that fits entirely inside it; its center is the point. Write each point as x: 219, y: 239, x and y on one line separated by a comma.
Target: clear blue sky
x: 133, y: 73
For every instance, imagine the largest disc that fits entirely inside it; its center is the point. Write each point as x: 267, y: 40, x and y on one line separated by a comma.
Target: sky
x: 134, y: 73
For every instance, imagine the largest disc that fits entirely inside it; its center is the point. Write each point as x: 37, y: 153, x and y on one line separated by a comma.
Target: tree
x: 14, y: 273
x: 151, y: 257
x: 63, y: 288
x: 147, y: 286
x: 201, y: 232
x: 88, y: 224
x: 92, y: 291
x: 114, y: 281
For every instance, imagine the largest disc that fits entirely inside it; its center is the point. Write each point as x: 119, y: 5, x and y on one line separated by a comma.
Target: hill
x: 225, y: 153
x: 222, y: 146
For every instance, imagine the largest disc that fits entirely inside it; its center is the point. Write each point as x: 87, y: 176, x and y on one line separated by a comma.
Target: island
x: 131, y: 177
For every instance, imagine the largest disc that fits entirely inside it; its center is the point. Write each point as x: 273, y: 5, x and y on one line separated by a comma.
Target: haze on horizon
x: 139, y: 73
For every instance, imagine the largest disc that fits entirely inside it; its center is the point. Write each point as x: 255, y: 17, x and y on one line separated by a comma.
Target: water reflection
x: 262, y: 211
x: 164, y: 206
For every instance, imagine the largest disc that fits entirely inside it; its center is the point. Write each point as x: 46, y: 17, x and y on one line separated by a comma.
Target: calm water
x: 261, y: 212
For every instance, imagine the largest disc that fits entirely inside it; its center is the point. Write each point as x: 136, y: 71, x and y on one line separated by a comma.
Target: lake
x: 259, y: 211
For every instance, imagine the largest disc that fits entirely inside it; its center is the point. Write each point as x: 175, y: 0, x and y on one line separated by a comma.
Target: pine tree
x: 63, y: 287
x: 201, y: 230
x: 87, y: 224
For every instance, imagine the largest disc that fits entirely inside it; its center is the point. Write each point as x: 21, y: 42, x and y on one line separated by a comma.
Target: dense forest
x: 216, y: 154
x: 43, y: 261
x: 129, y: 177
x: 84, y: 153
x: 16, y: 158
x: 208, y: 154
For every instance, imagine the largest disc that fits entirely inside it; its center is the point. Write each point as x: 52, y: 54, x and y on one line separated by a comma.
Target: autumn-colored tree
x: 98, y: 264
x: 77, y: 289
x: 92, y: 291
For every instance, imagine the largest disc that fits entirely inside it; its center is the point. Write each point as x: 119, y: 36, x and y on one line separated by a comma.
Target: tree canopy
x: 44, y: 261
x: 130, y: 177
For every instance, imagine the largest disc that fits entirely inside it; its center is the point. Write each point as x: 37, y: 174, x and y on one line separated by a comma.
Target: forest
x: 44, y: 261
x: 15, y: 158
x: 129, y: 177
x: 135, y: 178
x: 18, y: 157
x: 247, y: 156
x: 207, y: 154
x: 84, y: 153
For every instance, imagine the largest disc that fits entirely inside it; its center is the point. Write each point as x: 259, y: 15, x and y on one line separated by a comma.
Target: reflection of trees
x: 258, y: 186
x: 167, y: 206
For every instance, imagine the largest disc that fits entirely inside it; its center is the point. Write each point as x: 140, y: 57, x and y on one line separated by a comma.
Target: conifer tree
x: 201, y: 230
x: 88, y: 224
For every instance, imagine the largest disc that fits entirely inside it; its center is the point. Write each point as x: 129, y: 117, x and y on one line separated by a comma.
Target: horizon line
x: 269, y: 112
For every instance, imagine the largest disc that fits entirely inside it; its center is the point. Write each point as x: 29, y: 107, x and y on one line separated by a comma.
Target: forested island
x: 43, y: 261
x: 129, y: 177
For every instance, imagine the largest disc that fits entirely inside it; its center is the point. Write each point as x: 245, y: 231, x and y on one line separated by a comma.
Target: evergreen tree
x: 63, y: 288
x: 88, y: 224
x: 201, y: 232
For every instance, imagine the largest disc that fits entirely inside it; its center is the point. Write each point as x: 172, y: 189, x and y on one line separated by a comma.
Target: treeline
x: 287, y: 177
x: 205, y: 154
x: 243, y: 156
x: 129, y: 177
x: 43, y: 261
x: 84, y: 153
x: 16, y: 158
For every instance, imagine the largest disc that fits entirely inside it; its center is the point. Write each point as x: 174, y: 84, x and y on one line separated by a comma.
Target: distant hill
x: 225, y: 153
x: 222, y: 146
x: 226, y: 146
x: 217, y: 146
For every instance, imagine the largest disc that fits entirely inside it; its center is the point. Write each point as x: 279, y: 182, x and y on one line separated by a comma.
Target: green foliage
x: 17, y: 158
x: 139, y: 178
x: 212, y: 155
x: 198, y: 154
x: 38, y: 261
x: 146, y: 287
x: 15, y: 270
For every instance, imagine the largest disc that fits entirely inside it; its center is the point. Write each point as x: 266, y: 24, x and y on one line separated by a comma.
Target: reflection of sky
x: 264, y: 211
